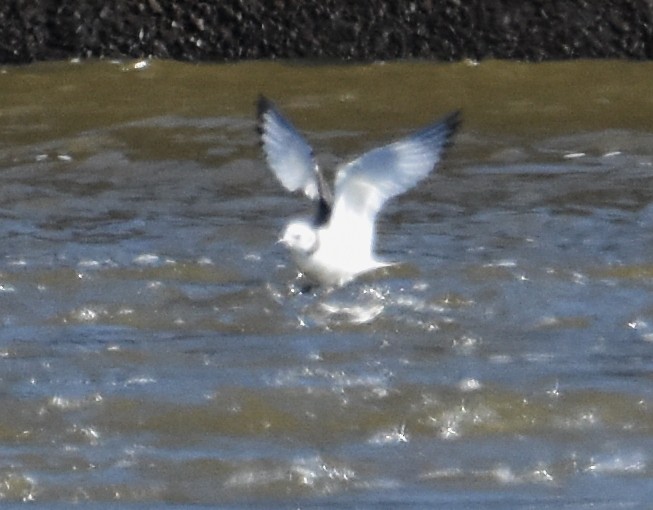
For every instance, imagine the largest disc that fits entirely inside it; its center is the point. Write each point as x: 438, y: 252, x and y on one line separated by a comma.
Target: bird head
x: 300, y: 237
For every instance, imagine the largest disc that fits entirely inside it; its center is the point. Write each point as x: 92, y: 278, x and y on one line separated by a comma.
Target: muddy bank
x: 329, y: 29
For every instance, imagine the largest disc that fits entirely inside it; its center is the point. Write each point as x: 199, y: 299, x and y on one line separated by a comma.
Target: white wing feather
x: 366, y: 183
x: 286, y: 151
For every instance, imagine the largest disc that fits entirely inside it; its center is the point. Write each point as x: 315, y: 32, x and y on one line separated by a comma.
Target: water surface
x: 154, y: 349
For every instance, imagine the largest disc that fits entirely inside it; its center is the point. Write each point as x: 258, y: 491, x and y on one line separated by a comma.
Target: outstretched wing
x: 286, y: 151
x: 291, y: 158
x: 366, y: 183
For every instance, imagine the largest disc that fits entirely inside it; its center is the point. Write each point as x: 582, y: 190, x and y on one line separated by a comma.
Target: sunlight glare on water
x: 157, y: 349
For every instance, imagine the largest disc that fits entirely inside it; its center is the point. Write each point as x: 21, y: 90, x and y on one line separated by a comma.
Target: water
x: 154, y: 349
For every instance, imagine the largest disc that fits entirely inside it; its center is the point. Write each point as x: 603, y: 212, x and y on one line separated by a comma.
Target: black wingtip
x: 452, y: 121
x: 263, y: 104
x: 442, y: 131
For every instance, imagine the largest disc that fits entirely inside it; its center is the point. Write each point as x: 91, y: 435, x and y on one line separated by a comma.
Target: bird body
x: 337, y: 245
x: 322, y: 256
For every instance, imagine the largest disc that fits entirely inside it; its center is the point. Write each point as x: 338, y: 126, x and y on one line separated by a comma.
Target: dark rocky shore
x: 32, y: 30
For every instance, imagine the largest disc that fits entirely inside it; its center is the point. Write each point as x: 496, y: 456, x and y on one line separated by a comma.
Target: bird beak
x: 284, y: 239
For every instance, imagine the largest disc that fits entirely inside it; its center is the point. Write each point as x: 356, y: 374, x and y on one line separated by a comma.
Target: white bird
x: 337, y: 244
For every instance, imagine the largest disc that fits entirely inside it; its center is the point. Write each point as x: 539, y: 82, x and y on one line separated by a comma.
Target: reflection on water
x: 155, y: 347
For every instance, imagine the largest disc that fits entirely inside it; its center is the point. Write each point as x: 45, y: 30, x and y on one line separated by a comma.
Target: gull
x: 336, y: 245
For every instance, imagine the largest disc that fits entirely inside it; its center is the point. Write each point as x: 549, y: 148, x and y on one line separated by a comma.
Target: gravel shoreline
x: 229, y: 30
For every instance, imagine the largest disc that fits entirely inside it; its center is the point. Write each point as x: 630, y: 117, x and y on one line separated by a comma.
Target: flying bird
x: 337, y: 244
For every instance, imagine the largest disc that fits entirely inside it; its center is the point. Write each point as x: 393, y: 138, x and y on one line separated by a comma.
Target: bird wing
x: 286, y: 151
x: 366, y: 183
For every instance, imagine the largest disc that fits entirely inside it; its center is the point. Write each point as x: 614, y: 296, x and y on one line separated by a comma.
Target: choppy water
x: 154, y: 350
